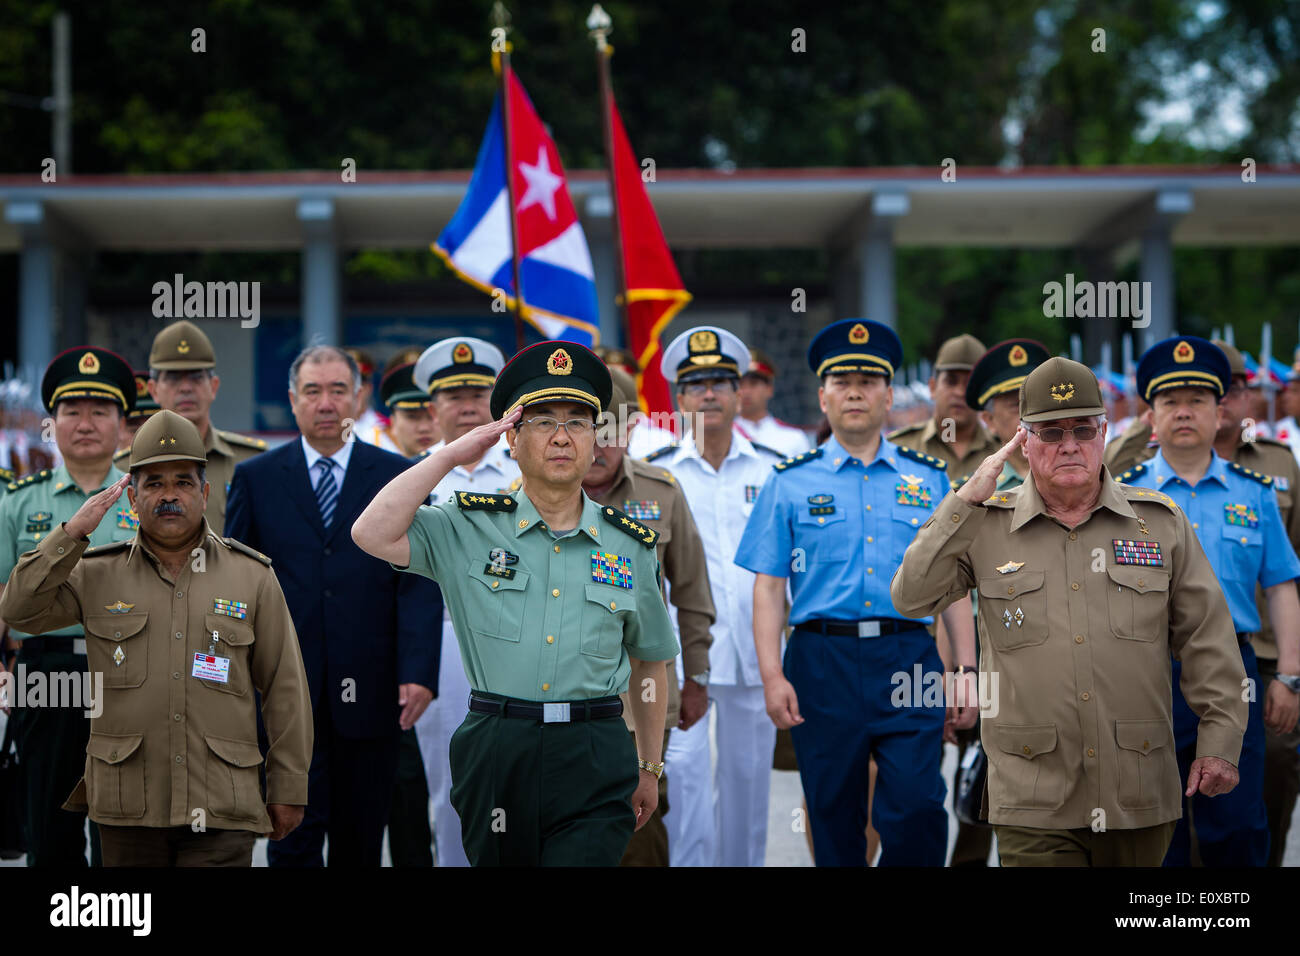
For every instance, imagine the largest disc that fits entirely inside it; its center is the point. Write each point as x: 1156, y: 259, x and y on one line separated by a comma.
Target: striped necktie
x: 327, y: 491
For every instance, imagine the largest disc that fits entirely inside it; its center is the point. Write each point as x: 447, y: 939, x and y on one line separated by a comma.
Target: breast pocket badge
x: 821, y: 504
x: 1241, y: 516
x: 910, y: 491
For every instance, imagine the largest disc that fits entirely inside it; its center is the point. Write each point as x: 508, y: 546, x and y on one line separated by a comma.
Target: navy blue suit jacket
x: 356, y: 617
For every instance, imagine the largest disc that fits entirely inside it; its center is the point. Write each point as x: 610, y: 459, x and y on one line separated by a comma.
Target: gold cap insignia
x: 703, y: 341
x: 462, y: 354
x: 120, y: 607
x: 559, y: 363
x: 141, y: 388
x: 1018, y: 356
x: 858, y: 335
x: 1010, y: 566
x: 1063, y: 392
x: 1184, y: 353
x: 89, y: 364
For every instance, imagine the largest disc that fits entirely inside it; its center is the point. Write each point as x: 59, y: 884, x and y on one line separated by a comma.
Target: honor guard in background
x: 182, y: 380
x: 457, y: 374
x: 721, y: 473
x: 557, y: 605
x: 954, y: 433
x: 1086, y: 586
x: 653, y: 497
x: 144, y: 407
x: 88, y: 391
x: 835, y: 522
x: 1234, y: 511
x: 413, y: 427
x: 184, y: 627
x: 754, y: 421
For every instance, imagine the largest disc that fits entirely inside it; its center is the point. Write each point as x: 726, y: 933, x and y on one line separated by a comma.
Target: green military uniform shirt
x: 540, y: 617
x: 33, y: 506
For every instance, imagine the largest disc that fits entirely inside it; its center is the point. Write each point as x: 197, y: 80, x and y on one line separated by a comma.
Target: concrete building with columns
x: 858, y: 216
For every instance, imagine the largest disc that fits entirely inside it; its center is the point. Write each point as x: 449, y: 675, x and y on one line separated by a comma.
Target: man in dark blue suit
x: 369, y: 635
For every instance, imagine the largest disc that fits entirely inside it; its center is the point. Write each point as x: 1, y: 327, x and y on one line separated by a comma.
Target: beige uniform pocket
x: 1146, y: 762
x: 1138, y: 602
x: 1031, y: 769
x: 233, y: 789
x: 1013, y: 609
x: 115, y: 775
x: 116, y: 649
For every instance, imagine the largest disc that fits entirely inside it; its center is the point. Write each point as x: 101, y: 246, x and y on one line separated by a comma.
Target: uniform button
x: 870, y: 539
x: 180, y: 594
x: 550, y: 638
x: 60, y: 550
x: 868, y: 507
x: 1026, y: 748
x: 956, y: 517
x: 178, y: 635
x: 176, y: 675
x: 1141, y: 583
x: 613, y: 606
x: 555, y: 592
x: 1073, y: 535
x: 1243, y: 540
x: 1146, y: 745
x: 1011, y: 590
x: 1078, y: 638
x: 1195, y: 526
x: 821, y: 520
x: 176, y: 716
x: 1091, y: 752
x: 113, y: 755
x: 179, y: 758
x: 557, y: 549
x: 866, y: 477
x: 495, y: 584
x: 913, y: 521
x: 871, y: 570
x: 1083, y: 696
x: 546, y: 687
x: 866, y: 604
x: 329, y: 551
x: 523, y: 522
x: 1074, y: 586
x: 117, y: 633
x: 1193, y: 494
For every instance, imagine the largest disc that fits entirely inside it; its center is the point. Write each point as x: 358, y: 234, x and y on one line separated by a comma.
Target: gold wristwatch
x: 655, y: 768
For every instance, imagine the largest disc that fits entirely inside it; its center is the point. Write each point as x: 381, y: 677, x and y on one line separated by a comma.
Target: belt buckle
x: 555, y: 713
x: 868, y: 628
x: 79, y: 645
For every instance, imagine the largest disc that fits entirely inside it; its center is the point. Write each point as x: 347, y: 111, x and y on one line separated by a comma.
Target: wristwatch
x: 655, y: 768
x: 702, y: 678
x: 1290, y: 681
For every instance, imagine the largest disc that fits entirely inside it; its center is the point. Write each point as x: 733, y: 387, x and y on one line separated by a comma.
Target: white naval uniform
x: 647, y: 438
x: 737, y: 802
x: 439, y: 721
x: 776, y: 434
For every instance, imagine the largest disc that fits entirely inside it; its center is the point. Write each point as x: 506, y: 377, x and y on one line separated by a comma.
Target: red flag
x: 654, y: 289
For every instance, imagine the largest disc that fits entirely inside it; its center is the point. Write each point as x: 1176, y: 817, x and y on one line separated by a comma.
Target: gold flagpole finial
x: 599, y: 26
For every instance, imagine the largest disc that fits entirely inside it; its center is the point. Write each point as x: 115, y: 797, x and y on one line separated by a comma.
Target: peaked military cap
x: 144, y: 403
x: 182, y: 345
x: 1235, y: 362
x: 1060, y: 388
x: 959, y: 353
x: 761, y: 365
x: 166, y: 436
x: 1002, y: 369
x: 454, y: 362
x: 1183, y: 361
x: 855, y: 345
x: 705, y: 351
x: 88, y: 372
x: 398, y: 389
x: 551, y: 371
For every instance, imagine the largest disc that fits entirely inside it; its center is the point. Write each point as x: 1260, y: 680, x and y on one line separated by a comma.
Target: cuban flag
x: 559, y: 289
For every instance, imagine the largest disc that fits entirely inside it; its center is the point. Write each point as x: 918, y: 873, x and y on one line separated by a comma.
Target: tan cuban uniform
x: 166, y: 743
x: 1080, y: 642
x: 926, y: 439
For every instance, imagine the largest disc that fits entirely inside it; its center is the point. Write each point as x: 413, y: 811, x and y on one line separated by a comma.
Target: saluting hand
x: 1212, y: 776
x: 984, y: 482
x: 473, y: 445
x: 92, y: 511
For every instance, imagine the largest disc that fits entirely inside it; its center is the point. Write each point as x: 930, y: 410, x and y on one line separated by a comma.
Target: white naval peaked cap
x: 456, y: 361
x: 705, y: 351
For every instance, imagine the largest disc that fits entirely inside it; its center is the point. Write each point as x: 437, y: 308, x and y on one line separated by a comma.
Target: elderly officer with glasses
x: 557, y: 609
x: 1086, y: 587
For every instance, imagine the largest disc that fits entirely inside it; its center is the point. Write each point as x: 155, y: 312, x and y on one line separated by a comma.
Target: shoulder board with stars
x: 111, y: 548
x: 654, y: 473
x: 629, y: 526
x: 122, y: 455
x: 1147, y: 494
x: 1262, y: 479
x: 242, y: 440
x: 1003, y: 499
x: 667, y: 449
x: 921, y: 456
x: 33, y: 479
x: 6, y: 476
x: 905, y: 430
x: 1132, y: 473
x: 766, y: 450
x: 516, y: 484
x: 473, y: 501
x: 242, y: 548
x: 798, y: 460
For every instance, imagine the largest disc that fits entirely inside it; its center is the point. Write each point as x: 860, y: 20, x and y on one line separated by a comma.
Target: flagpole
x: 599, y: 26
x: 501, y: 17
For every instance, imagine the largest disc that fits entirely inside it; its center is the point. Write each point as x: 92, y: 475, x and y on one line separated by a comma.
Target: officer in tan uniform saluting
x: 183, y: 626
x: 1085, y: 588
x: 182, y: 380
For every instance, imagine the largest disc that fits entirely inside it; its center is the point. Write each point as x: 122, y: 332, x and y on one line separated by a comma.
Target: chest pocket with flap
x: 1138, y: 599
x: 106, y: 633
x: 234, y: 641
x: 1241, y: 552
x: 1013, y: 609
x: 115, y: 775
x: 496, y: 604
x: 604, y: 614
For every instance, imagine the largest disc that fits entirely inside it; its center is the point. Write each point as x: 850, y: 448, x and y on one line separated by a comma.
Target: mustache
x: 169, y: 508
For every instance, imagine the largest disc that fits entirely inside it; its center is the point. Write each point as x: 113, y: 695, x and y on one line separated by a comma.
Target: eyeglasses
x: 697, y: 389
x: 546, y: 427
x: 1056, y: 434
x: 1236, y: 389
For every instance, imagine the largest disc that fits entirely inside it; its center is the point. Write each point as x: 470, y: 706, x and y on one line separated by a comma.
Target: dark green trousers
x: 1030, y: 846
x: 536, y: 794
x: 410, y: 839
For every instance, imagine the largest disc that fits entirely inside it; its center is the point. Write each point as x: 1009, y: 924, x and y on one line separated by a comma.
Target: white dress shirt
x: 786, y: 439
x: 340, y: 458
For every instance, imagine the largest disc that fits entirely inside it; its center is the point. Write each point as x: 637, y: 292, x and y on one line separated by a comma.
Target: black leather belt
x: 561, y: 712
x: 871, y: 627
x: 51, y: 644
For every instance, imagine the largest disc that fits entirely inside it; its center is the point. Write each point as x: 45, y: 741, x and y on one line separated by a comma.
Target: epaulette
x: 1265, y: 440
x: 121, y: 454
x: 653, y: 472
x: 242, y: 440
x: 1132, y: 472
x: 242, y: 548
x: 6, y: 475
x: 473, y: 501
x: 32, y: 479
x: 424, y: 454
x: 921, y: 456
x: 1149, y: 494
x: 1266, y: 480
x: 954, y: 485
x: 517, y: 484
x: 798, y: 460
x: 905, y: 430
x: 1001, y: 499
x: 112, y: 546
x: 630, y: 527
x: 770, y: 451
x: 662, y: 451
